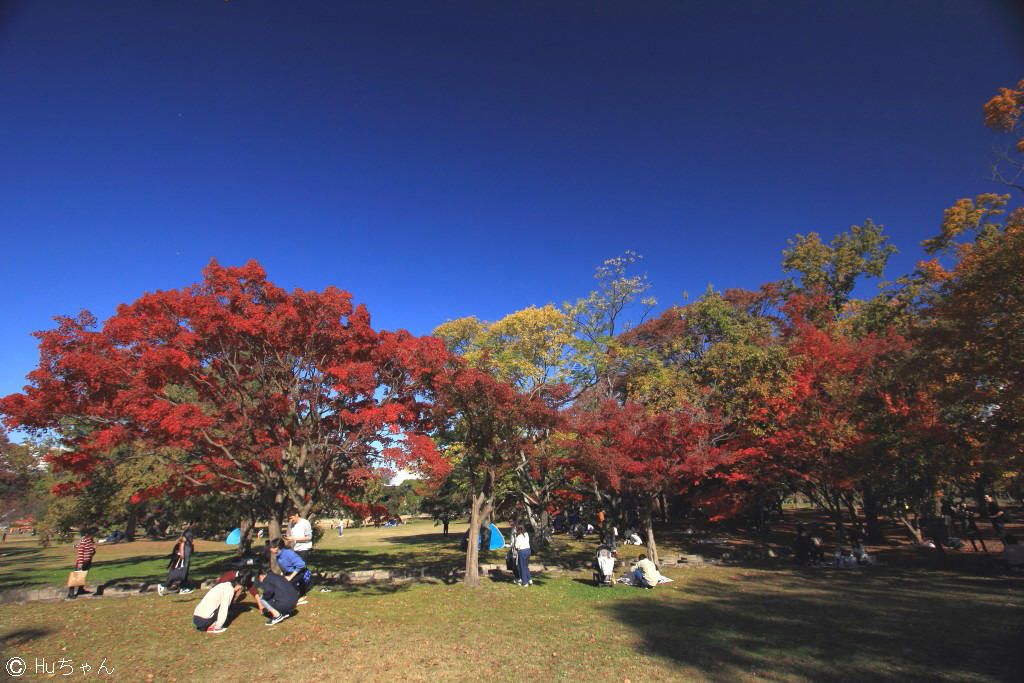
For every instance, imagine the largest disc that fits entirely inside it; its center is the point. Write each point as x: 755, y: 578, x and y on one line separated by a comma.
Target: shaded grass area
x: 716, y: 624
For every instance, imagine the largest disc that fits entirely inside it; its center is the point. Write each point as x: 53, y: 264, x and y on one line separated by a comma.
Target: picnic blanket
x: 627, y: 579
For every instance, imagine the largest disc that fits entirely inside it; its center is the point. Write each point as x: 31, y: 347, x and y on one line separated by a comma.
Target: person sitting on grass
x: 279, y: 597
x: 645, y: 573
x: 293, y: 567
x: 212, y: 611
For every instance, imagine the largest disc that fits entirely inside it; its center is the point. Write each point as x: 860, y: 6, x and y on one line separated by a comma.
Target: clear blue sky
x: 446, y: 159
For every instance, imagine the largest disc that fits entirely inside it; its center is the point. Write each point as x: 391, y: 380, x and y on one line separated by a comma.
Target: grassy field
x: 24, y: 563
x: 719, y: 624
x: 712, y: 623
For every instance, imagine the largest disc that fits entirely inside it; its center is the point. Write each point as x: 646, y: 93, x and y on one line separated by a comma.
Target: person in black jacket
x: 178, y: 567
x: 279, y: 596
x: 995, y: 515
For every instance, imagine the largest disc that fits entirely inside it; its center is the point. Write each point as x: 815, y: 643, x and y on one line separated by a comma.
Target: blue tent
x: 234, y: 537
x: 497, y: 540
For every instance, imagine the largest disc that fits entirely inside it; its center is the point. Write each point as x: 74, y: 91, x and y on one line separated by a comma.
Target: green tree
x: 835, y: 268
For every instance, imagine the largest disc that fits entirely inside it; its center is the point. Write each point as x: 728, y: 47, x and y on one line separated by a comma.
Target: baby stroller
x: 604, y: 567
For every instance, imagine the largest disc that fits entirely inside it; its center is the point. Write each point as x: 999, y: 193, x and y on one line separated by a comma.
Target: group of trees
x: 243, y: 397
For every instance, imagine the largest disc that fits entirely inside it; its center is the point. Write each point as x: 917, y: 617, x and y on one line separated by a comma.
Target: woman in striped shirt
x: 84, y: 551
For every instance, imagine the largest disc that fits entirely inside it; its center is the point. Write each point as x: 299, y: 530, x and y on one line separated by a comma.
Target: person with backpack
x: 293, y: 568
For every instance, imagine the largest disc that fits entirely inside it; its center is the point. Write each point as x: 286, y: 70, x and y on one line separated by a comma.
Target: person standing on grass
x: 301, y: 534
x: 995, y: 515
x: 85, y: 550
x: 212, y: 611
x: 293, y: 568
x: 971, y: 529
x: 279, y: 597
x: 521, y: 548
x: 181, y: 560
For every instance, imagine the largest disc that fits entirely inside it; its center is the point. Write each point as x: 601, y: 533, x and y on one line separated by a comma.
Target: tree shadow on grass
x: 432, y: 539
x: 893, y: 627
x: 367, y: 590
x: 355, y: 559
x: 20, y: 554
x: 11, y: 642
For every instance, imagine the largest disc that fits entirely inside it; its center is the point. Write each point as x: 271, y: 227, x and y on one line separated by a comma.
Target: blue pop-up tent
x: 234, y: 537
x: 497, y: 540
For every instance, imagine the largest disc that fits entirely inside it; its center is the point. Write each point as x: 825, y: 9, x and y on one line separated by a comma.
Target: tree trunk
x: 245, y: 527
x: 916, y: 533
x: 479, y: 512
x: 473, y: 541
x: 851, y: 509
x: 540, y: 523
x: 652, y: 547
x: 831, y: 505
x: 871, y: 520
x: 133, y: 522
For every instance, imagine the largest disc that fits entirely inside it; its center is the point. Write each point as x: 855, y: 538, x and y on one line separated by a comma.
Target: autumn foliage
x: 238, y: 387
x: 273, y: 399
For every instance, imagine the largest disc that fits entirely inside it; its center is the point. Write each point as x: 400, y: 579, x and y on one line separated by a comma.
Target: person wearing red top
x: 85, y: 549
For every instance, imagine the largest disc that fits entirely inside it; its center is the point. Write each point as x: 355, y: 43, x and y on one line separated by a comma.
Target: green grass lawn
x: 712, y: 623
x: 24, y: 563
x: 719, y: 624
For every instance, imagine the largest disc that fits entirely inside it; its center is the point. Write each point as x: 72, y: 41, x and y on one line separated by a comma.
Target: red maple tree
x: 494, y: 427
x: 237, y: 386
x: 849, y: 413
x: 644, y: 455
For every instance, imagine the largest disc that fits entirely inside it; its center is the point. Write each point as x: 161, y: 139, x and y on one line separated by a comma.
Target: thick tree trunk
x: 245, y: 527
x: 871, y: 519
x: 851, y: 509
x: 133, y: 522
x: 544, y: 532
x: 479, y: 513
x: 652, y: 547
x: 473, y: 541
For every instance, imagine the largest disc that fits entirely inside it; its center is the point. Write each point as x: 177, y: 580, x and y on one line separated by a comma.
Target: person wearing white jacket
x: 521, y: 548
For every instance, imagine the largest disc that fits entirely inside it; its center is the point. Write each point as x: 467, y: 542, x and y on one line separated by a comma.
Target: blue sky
x: 446, y: 159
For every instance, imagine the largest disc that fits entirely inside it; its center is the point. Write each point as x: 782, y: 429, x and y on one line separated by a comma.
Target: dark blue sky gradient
x: 446, y: 159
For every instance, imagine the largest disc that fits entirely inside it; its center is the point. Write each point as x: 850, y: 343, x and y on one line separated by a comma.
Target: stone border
x: 424, y: 574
